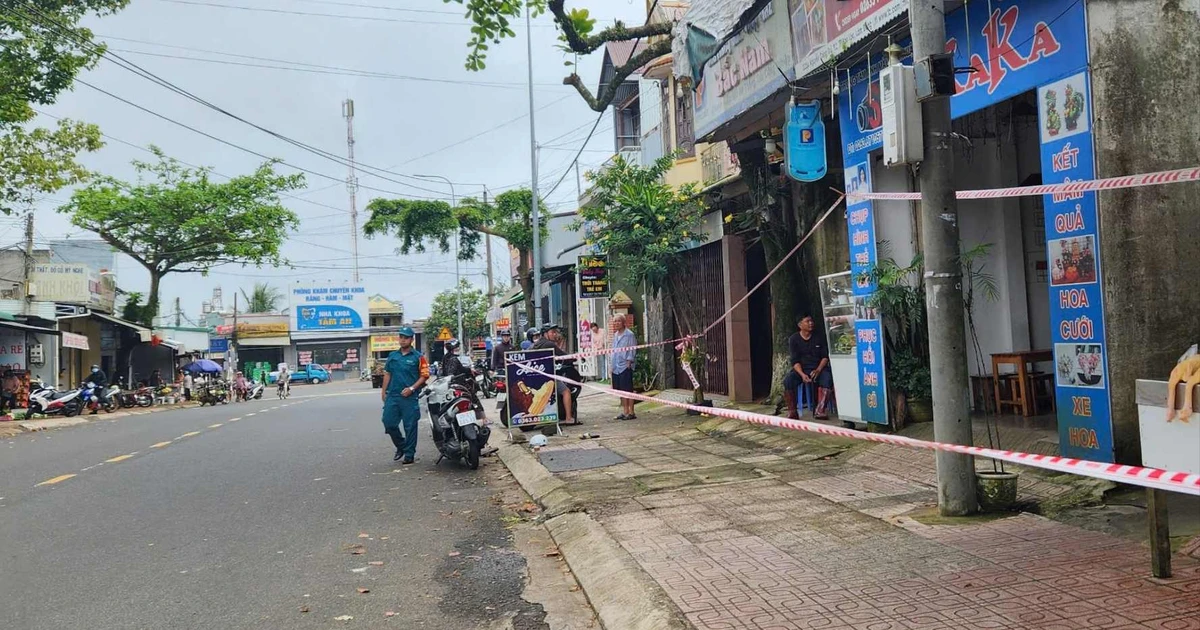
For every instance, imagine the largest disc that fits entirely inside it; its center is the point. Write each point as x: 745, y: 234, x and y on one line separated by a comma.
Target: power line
x: 341, y: 16
x: 142, y: 72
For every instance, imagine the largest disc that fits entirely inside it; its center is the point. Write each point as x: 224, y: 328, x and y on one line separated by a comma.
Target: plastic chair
x: 806, y: 398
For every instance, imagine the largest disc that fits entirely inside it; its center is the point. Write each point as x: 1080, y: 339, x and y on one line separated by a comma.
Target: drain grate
x: 580, y: 459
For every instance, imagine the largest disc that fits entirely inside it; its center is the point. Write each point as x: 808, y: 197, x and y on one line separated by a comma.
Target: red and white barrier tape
x: 583, y: 354
x: 1187, y: 483
x: 1067, y: 188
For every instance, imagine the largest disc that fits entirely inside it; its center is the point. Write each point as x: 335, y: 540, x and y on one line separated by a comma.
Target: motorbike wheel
x: 145, y: 402
x: 473, y: 455
x: 109, y: 407
x: 70, y: 409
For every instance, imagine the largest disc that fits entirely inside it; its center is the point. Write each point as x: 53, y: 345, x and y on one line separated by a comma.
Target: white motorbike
x: 45, y: 400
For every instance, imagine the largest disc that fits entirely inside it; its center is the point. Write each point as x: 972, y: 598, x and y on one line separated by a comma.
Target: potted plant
x: 900, y: 299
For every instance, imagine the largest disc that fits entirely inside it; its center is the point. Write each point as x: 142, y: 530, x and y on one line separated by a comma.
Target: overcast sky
x: 401, y: 124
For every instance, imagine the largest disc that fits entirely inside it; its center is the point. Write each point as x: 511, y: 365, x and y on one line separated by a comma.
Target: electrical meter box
x: 902, y: 142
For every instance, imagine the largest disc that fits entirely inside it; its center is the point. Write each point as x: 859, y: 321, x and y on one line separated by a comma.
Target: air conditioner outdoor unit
x: 901, y: 116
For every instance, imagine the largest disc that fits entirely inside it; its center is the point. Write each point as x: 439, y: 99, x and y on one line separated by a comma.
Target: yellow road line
x: 160, y: 444
x: 119, y: 458
x: 213, y: 426
x: 188, y: 434
x: 50, y: 482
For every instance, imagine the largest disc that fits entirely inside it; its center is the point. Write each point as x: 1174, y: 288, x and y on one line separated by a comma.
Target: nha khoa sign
x: 746, y: 69
x: 329, y: 307
x: 73, y: 284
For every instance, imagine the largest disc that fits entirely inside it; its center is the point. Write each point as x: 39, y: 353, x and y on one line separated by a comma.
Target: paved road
x: 244, y: 516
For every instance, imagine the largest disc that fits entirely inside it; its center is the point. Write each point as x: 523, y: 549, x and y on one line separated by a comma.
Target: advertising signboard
x: 218, y: 344
x: 385, y: 343
x: 74, y: 284
x: 12, y: 350
x: 746, y: 70
x: 329, y: 307
x: 593, y: 276
x: 532, y: 397
x: 824, y: 28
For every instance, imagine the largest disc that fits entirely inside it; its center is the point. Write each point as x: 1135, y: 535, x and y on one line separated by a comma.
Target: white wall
x: 1003, y: 325
x: 894, y: 229
x: 1033, y: 228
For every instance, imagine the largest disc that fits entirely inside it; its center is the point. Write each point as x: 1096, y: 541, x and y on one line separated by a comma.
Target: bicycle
x: 282, y: 390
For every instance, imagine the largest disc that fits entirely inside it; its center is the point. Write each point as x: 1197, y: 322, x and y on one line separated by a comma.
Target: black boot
x: 398, y: 441
x: 789, y: 398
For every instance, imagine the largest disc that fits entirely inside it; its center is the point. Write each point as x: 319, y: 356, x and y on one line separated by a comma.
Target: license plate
x: 465, y: 417
x: 501, y: 397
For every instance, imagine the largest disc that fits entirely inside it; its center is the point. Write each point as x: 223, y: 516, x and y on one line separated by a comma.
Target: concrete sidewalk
x: 746, y: 527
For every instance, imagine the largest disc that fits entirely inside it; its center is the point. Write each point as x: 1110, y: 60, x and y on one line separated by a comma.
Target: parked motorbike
x: 112, y: 393
x: 48, y: 401
x: 454, y: 411
x: 256, y: 391
x: 94, y: 399
x: 365, y: 375
x: 485, y: 379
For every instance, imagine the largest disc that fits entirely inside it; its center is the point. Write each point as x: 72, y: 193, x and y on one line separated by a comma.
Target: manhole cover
x: 580, y: 459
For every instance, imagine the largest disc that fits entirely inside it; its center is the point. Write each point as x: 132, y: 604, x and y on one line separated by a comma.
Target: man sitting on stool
x: 810, y: 363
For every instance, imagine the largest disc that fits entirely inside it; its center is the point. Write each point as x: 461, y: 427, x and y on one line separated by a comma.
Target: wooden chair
x: 1041, y: 389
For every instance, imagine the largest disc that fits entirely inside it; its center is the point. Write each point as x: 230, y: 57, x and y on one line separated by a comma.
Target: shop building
x: 330, y: 326
x: 386, y: 319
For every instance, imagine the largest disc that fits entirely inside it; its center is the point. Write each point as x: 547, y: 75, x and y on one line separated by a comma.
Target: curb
x: 623, y: 595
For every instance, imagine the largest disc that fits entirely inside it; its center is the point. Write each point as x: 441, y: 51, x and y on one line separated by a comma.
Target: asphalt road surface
x: 250, y: 516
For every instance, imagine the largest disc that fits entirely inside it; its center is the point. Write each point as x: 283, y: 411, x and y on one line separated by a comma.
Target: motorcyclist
x: 498, y: 351
x: 551, y: 338
x: 100, y: 380
x: 451, y: 364
x: 284, y: 383
x: 532, y: 336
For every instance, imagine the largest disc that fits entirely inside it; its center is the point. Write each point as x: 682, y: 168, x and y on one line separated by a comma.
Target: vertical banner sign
x: 532, y: 397
x: 862, y: 131
x: 1073, y: 252
x: 593, y: 277
x: 584, y: 312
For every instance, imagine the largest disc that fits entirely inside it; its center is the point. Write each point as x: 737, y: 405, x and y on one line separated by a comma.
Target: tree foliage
x: 492, y: 22
x: 641, y: 221
x: 43, y: 49
x: 444, y: 312
x: 135, y: 311
x: 175, y: 219
x: 263, y: 298
x: 423, y: 223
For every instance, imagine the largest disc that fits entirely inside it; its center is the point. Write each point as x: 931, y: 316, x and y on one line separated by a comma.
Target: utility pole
x: 352, y: 181
x: 578, y: 184
x: 487, y: 238
x: 232, y: 354
x: 28, y: 269
x: 536, y: 315
x: 943, y: 278
x: 178, y: 313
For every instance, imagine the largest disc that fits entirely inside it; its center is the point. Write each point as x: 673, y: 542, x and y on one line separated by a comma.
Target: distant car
x: 311, y: 373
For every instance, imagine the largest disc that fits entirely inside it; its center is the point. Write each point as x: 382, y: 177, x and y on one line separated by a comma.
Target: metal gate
x: 705, y: 301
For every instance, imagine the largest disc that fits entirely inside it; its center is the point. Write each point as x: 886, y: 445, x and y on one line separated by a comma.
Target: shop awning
x: 120, y: 322
x: 512, y: 297
x: 4, y: 323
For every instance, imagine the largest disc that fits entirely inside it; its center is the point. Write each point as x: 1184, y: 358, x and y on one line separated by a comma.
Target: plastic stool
x: 805, y: 398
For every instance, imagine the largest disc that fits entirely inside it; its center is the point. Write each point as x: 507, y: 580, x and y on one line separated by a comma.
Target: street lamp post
x: 457, y: 275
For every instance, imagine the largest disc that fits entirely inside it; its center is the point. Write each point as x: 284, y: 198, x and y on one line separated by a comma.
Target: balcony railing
x: 717, y: 163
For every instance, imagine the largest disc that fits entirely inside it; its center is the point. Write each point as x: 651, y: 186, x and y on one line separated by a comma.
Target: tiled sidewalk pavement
x: 742, y: 538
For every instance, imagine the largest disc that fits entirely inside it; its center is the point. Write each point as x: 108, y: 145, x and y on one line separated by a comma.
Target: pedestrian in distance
x: 622, y: 365
x: 599, y: 343
x: 498, y: 351
x: 809, y: 359
x: 404, y: 375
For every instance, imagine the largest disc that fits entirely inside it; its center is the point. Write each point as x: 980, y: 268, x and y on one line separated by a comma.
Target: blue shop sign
x: 327, y: 317
x: 218, y: 344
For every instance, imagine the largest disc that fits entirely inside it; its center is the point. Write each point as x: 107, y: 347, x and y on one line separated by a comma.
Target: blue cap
x: 406, y: 331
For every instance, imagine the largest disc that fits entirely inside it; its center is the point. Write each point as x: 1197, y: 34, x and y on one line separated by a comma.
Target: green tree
x: 43, y: 49
x: 492, y: 21
x: 444, y: 312
x: 264, y: 298
x: 421, y: 223
x: 643, y: 224
x: 134, y: 311
x: 180, y: 221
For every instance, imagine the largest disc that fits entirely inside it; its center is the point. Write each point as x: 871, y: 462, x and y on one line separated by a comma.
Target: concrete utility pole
x: 178, y: 313
x: 487, y: 239
x: 352, y: 181
x: 28, y: 268
x: 536, y: 315
x: 943, y: 278
x: 231, y: 354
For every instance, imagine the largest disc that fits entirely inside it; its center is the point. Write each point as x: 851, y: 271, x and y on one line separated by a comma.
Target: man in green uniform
x: 403, y: 376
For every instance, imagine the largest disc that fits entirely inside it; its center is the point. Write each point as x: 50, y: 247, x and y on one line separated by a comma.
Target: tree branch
x: 615, y: 33
x: 608, y: 91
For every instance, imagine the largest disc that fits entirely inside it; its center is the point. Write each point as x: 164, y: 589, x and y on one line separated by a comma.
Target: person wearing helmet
x: 551, y: 340
x: 100, y: 379
x: 532, y: 336
x: 451, y: 364
x: 404, y: 374
x: 500, y: 349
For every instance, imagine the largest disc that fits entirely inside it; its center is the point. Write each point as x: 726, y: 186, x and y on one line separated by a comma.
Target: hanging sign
x: 804, y: 136
x: 75, y: 341
x: 593, y: 277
